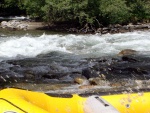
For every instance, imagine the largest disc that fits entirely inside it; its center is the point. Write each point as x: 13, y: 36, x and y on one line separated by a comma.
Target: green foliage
x: 114, y: 11
x: 10, y: 3
x: 86, y: 11
x: 91, y: 12
x: 33, y: 8
x: 71, y: 10
x: 11, y: 7
x: 59, y: 10
x: 64, y: 10
x: 140, y: 9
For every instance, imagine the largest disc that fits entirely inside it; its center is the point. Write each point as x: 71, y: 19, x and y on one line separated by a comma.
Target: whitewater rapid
x: 90, y: 46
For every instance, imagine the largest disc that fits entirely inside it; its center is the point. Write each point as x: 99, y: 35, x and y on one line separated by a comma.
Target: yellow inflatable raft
x: 23, y: 101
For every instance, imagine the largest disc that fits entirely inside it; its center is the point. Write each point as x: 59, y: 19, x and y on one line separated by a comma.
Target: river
x: 58, y: 58
x: 28, y: 45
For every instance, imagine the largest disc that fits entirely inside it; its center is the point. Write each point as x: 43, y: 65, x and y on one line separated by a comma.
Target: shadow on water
x: 11, y: 32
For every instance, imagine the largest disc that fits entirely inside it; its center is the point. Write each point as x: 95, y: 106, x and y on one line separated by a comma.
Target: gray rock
x: 14, y: 24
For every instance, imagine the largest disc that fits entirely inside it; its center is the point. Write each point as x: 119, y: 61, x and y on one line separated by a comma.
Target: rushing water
x: 62, y: 57
x: 90, y: 46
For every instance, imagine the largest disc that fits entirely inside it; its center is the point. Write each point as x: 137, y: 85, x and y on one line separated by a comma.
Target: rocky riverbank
x: 22, y: 25
x: 30, y: 25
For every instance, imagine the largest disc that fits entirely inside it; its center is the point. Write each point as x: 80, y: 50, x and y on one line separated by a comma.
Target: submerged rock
x: 98, y: 81
x: 127, y: 52
x: 81, y: 80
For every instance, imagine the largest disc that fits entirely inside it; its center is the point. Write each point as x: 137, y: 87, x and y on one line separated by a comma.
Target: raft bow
x: 23, y: 101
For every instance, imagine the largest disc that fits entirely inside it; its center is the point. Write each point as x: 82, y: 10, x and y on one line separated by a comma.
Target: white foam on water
x: 29, y: 46
x: 85, y: 45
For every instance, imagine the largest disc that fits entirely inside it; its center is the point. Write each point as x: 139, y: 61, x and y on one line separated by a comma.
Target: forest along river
x: 69, y: 63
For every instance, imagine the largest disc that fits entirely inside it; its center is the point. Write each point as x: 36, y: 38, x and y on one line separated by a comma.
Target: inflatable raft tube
x: 23, y: 101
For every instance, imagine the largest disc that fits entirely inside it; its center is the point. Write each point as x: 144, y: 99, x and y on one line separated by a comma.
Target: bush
x: 113, y: 11
x: 33, y: 8
x: 140, y: 10
x: 65, y: 10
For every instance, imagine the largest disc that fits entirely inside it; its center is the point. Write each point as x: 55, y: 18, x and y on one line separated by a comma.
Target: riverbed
x: 74, y: 63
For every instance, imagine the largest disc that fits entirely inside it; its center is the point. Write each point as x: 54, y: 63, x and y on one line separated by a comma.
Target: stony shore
x: 31, y: 25
x: 22, y: 25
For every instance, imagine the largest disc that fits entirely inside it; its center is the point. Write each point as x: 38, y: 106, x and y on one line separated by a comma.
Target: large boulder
x: 14, y: 24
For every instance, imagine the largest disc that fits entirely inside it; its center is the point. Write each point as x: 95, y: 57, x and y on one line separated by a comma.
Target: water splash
x: 84, y: 45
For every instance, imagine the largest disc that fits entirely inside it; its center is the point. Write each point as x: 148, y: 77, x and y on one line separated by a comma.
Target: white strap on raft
x: 96, y: 104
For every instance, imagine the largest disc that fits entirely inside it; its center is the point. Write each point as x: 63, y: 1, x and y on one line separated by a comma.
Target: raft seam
x: 13, y: 105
